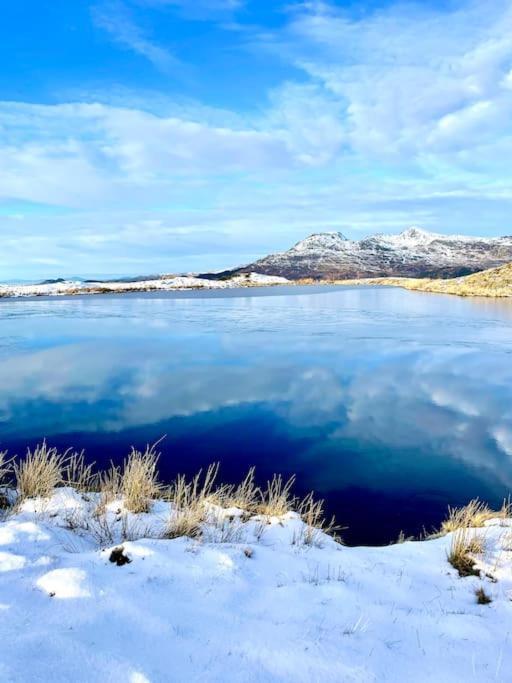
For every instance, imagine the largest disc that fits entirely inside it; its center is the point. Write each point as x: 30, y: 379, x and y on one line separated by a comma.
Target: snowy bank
x: 165, y: 283
x: 247, y: 600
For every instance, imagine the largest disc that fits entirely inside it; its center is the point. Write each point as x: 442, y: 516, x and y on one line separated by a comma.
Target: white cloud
x: 72, y: 154
x: 114, y: 17
x: 414, y: 82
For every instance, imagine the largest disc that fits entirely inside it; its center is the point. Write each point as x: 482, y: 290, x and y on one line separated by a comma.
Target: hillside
x: 492, y: 282
x: 412, y: 253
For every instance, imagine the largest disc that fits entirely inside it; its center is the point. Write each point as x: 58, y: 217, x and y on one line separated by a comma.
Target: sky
x: 159, y: 136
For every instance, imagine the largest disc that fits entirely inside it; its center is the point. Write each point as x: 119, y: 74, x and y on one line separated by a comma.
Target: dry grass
x: 473, y: 515
x: 139, y: 483
x: 312, y: 514
x: 109, y: 487
x: 245, y: 496
x: 78, y: 474
x: 276, y: 500
x: 6, y: 468
x: 494, y: 282
x: 41, y: 471
x: 466, y: 543
x: 402, y: 538
x: 189, y: 501
x: 135, y: 486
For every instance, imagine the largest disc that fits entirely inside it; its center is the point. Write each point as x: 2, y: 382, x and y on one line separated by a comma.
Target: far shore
x: 495, y: 283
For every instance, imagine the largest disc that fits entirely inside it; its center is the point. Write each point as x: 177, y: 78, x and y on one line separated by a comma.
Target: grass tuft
x: 79, y: 475
x: 312, y: 514
x: 276, y: 500
x: 190, y: 499
x: 109, y: 486
x: 245, y: 496
x: 6, y: 470
x: 473, y: 515
x: 139, y: 482
x: 40, y: 472
x: 465, y: 544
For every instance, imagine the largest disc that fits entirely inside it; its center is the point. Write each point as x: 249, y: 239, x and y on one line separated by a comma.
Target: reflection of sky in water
x: 373, y: 391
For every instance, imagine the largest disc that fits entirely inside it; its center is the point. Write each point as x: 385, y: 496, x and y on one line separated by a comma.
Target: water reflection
x: 369, y: 395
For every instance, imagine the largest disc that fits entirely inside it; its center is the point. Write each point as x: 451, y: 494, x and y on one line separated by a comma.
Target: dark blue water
x: 390, y: 404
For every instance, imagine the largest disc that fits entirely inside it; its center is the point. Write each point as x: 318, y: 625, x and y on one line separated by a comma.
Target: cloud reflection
x: 449, y: 402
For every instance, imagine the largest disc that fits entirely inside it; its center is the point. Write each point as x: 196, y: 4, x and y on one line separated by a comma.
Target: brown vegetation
x: 495, y: 282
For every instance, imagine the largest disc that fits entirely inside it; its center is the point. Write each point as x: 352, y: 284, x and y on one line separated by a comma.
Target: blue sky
x: 143, y: 136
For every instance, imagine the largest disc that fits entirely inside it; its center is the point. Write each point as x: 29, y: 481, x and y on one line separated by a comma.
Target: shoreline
x: 463, y: 287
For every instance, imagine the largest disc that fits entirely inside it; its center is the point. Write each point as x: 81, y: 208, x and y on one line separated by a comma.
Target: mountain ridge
x: 412, y: 253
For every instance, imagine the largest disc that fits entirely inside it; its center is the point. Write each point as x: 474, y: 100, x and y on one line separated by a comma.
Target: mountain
x: 412, y: 253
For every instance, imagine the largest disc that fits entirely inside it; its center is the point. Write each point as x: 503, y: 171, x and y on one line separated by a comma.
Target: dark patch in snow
x: 118, y: 557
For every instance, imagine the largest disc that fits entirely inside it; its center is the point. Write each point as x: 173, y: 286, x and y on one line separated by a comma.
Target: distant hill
x: 493, y: 282
x: 412, y: 253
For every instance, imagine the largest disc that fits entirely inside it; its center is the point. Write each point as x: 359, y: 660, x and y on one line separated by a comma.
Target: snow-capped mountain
x: 414, y: 252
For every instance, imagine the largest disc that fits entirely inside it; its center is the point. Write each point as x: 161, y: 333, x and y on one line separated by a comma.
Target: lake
x: 389, y: 404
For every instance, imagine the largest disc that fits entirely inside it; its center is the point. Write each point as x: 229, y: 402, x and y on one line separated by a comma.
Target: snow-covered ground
x: 164, y: 283
x: 250, y: 602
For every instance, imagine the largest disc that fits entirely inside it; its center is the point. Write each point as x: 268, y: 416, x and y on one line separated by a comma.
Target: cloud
x: 414, y: 82
x: 70, y: 154
x: 115, y: 18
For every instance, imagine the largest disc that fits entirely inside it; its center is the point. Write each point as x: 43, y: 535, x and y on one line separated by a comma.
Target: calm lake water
x: 390, y: 404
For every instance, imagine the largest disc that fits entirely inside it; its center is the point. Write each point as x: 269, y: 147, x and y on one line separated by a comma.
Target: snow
x: 162, y: 284
x: 320, y: 241
x: 260, y: 607
x: 412, y: 237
